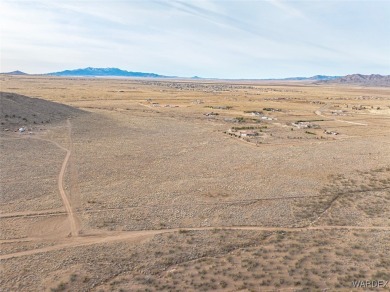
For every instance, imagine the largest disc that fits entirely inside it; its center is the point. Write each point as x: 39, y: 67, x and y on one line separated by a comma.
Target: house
x: 331, y: 132
x: 258, y: 114
x: 338, y: 112
x: 211, y: 114
x: 306, y: 125
x: 248, y: 134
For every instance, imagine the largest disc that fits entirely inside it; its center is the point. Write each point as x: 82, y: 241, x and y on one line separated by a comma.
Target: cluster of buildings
x: 243, y: 133
x: 305, y: 125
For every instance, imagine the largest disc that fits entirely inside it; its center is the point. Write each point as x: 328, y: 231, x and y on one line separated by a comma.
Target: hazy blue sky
x: 208, y: 38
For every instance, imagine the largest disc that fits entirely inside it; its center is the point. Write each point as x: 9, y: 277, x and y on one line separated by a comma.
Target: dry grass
x: 209, y: 260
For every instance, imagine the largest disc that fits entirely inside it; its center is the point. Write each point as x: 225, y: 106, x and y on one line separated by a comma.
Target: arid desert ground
x: 193, y: 185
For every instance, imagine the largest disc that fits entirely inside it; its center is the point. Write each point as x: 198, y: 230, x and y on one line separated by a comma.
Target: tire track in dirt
x: 336, y: 197
x: 48, y: 212
x: 74, y: 228
x: 59, y: 212
x: 136, y: 236
x: 319, y: 113
x: 220, y: 203
x: 327, y: 208
x: 64, y: 197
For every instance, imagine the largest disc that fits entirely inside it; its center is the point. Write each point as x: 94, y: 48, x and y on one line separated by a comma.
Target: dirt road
x: 64, y: 197
x: 77, y: 240
x: 319, y: 113
x: 68, y: 207
x: 136, y: 236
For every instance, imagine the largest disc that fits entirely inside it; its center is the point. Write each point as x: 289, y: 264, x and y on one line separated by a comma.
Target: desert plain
x: 193, y: 185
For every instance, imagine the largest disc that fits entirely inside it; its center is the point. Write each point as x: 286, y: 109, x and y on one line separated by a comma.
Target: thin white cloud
x: 288, y: 9
x: 242, y: 39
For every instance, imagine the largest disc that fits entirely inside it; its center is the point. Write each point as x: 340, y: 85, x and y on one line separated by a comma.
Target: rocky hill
x: 23, y: 111
x: 365, y: 80
x: 17, y: 72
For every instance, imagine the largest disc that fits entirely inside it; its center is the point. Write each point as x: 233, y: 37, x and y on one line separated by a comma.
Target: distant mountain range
x: 115, y: 72
x: 357, y: 79
x: 118, y: 72
x: 17, y: 72
x: 314, y: 78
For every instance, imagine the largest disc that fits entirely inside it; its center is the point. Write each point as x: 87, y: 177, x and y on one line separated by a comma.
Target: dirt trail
x: 137, y: 236
x: 64, y: 198
x: 74, y: 227
x: 71, y: 215
x: 68, y: 207
x: 319, y: 113
x: 47, y: 212
x: 60, y: 211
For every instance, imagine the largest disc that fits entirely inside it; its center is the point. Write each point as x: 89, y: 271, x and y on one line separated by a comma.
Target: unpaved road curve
x: 64, y: 197
x: 136, y: 236
x: 65, y: 200
x: 68, y: 207
x: 319, y: 113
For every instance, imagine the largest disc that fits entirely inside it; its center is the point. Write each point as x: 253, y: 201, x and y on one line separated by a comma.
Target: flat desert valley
x: 193, y: 185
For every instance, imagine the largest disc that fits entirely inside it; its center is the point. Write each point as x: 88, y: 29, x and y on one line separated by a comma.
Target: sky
x: 235, y: 39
